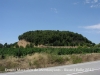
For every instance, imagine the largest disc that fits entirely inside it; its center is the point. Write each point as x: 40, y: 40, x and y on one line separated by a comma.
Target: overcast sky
x: 19, y: 16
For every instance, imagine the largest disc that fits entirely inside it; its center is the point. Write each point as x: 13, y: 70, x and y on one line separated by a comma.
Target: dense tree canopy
x: 1, y: 45
x: 55, y: 38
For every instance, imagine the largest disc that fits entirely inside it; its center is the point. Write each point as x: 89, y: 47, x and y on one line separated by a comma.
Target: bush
x: 76, y: 59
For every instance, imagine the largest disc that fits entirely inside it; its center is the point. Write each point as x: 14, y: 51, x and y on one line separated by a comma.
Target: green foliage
x: 55, y: 38
x: 9, y: 45
x: 59, y: 59
x: 56, y: 59
x: 56, y: 51
x: 18, y: 53
x: 5, y: 45
x: 1, y: 45
x: 30, y: 46
x: 2, y: 54
x: 2, y: 68
x: 27, y: 46
x: 98, y: 45
x: 16, y: 46
x: 76, y: 59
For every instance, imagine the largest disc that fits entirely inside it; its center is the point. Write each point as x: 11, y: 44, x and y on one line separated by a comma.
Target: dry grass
x: 90, y: 57
x: 40, y: 60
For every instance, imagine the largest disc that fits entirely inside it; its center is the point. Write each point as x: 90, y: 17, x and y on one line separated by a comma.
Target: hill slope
x: 55, y: 38
x: 23, y: 43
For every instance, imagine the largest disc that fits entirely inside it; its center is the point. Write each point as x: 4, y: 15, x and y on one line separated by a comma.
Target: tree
x: 27, y: 46
x: 16, y: 46
x: 19, y: 53
x: 31, y: 45
x: 2, y: 54
x: 5, y: 45
x: 1, y: 45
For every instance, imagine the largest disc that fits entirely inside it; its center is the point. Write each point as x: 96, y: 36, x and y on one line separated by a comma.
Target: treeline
x: 55, y: 38
x: 18, y: 52
x: 12, y: 45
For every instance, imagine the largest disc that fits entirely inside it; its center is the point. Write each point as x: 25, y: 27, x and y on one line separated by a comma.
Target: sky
x: 19, y: 16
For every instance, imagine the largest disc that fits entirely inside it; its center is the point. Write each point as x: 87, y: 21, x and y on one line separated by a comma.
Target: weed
x: 76, y: 59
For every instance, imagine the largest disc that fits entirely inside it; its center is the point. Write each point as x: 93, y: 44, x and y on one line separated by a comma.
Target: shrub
x: 76, y: 59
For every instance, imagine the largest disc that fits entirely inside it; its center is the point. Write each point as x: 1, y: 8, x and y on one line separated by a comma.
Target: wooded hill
x: 55, y: 38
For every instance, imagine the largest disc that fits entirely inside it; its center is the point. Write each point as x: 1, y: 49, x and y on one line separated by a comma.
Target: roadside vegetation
x: 42, y: 60
x: 23, y: 58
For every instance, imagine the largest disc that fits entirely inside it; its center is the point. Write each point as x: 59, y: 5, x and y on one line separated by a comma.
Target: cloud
x: 93, y: 3
x: 54, y: 10
x: 87, y: 1
x: 93, y: 27
x: 95, y: 6
x: 92, y: 31
x: 76, y: 3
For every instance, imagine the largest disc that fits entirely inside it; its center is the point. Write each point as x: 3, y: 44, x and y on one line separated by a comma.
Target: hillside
x: 23, y: 43
x: 55, y: 38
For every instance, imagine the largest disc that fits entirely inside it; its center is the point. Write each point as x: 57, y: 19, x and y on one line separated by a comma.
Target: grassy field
x: 41, y: 60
